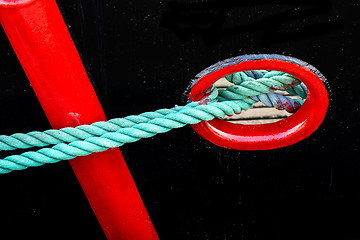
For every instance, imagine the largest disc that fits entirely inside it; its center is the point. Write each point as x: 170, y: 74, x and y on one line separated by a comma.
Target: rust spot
x: 288, y: 107
x: 278, y: 105
x: 204, y: 101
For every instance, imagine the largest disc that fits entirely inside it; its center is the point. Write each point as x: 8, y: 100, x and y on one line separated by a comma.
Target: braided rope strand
x: 276, y: 100
x: 250, y: 87
x: 241, y: 91
x: 62, y: 151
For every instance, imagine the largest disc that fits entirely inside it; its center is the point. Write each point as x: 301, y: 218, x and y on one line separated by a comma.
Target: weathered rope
x: 249, y: 87
x: 276, y: 100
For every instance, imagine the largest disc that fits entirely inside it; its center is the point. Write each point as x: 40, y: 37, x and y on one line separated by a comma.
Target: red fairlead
x: 265, y: 136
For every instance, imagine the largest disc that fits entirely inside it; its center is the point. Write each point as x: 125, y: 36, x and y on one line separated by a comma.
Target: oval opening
x: 263, y: 136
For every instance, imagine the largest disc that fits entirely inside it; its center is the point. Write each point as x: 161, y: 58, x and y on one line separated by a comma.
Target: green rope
x: 249, y: 87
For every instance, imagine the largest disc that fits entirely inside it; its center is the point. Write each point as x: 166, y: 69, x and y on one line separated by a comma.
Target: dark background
x: 141, y: 56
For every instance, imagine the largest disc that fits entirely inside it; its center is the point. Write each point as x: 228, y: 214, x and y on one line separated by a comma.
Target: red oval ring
x: 266, y: 136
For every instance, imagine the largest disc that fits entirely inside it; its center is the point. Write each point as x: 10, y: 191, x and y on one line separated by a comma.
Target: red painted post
x: 46, y: 51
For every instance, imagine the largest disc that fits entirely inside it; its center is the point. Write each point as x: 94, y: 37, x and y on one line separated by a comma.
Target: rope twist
x: 248, y: 88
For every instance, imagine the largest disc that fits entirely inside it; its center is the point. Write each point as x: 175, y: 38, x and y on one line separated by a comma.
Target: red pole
x: 46, y: 51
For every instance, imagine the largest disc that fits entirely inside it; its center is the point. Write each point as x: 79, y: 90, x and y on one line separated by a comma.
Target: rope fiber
x: 247, y: 88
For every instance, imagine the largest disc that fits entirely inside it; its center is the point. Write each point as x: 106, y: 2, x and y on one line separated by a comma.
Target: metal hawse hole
x: 268, y: 107
x: 278, y: 134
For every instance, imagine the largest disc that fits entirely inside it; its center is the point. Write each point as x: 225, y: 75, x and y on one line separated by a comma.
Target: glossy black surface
x: 141, y: 55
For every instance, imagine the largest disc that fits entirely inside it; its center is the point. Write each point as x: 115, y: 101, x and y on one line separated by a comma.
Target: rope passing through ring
x: 248, y: 87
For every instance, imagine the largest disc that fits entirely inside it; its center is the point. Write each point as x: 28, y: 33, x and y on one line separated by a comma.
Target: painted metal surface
x: 264, y: 136
x: 44, y: 47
